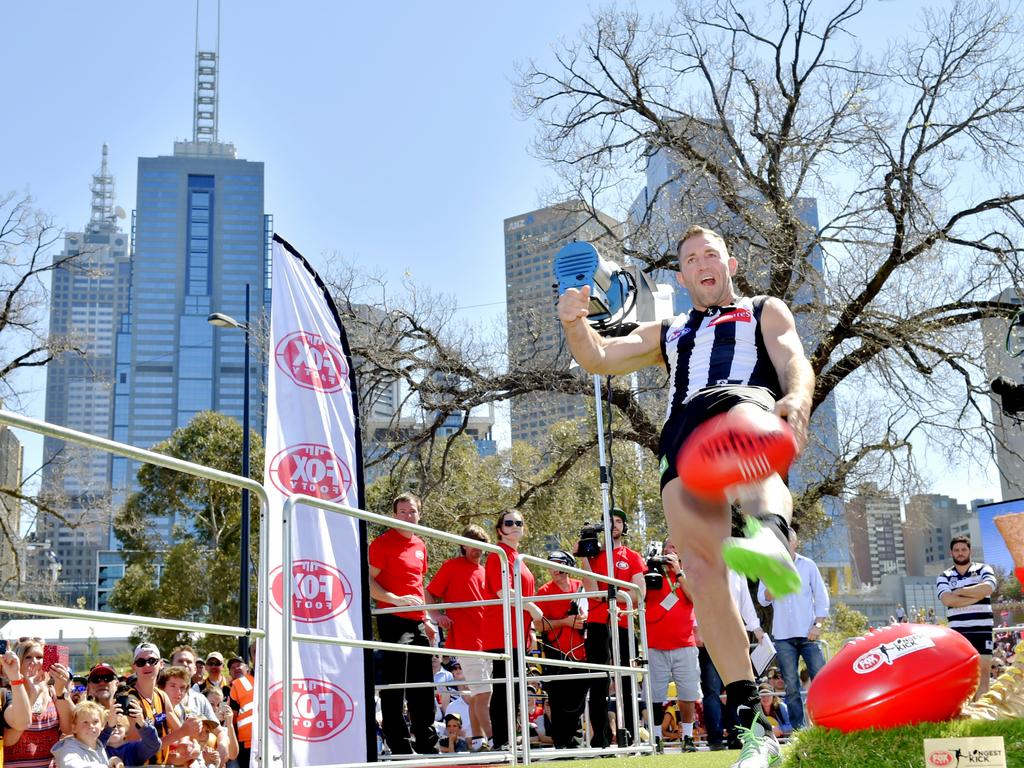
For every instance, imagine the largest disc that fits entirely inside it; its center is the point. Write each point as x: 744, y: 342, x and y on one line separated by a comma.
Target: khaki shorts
x: 476, y: 669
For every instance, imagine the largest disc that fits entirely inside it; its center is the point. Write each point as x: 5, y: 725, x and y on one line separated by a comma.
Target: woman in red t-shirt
x: 510, y: 529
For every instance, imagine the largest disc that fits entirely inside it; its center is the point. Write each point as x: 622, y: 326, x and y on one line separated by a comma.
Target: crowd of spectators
x: 160, y: 712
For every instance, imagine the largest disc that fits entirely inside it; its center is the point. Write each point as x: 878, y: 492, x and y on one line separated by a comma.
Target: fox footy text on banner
x: 312, y: 448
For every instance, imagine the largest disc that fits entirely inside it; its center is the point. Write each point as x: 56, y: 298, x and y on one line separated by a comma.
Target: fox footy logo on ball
x: 319, y: 709
x: 319, y: 591
x: 312, y: 469
x: 887, y: 653
x: 311, y: 362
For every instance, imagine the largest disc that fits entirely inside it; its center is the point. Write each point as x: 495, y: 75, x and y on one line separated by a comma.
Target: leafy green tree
x: 467, y: 488
x: 197, y: 577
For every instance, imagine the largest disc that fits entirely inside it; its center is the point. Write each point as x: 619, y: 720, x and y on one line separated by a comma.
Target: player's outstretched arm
x: 794, y: 371
x: 605, y: 356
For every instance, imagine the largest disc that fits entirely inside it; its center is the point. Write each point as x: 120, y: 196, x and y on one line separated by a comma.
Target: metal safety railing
x: 638, y: 670
x: 46, y: 429
x: 511, y: 651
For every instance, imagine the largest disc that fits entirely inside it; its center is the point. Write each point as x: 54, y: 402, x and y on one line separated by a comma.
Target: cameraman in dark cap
x: 628, y: 566
x: 562, y: 626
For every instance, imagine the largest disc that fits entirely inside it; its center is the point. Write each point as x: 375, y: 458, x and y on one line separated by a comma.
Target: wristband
x: 62, y: 697
x: 19, y: 681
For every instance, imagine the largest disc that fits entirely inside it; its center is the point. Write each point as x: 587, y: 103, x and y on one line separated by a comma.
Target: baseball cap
x: 233, y: 659
x: 616, y: 512
x: 103, y: 667
x: 144, y: 648
x: 215, y: 655
x: 765, y: 688
x: 453, y: 716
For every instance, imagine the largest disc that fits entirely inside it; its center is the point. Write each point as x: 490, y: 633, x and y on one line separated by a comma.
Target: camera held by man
x: 657, y: 567
x: 591, y: 542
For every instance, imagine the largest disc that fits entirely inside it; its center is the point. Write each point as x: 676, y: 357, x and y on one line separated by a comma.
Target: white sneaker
x: 759, y: 747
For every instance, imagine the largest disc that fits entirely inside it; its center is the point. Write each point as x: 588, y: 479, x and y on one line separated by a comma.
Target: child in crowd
x: 453, y: 741
x: 82, y: 749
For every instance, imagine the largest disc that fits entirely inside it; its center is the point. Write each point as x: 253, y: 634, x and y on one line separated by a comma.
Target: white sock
x: 688, y: 730
x: 657, y: 731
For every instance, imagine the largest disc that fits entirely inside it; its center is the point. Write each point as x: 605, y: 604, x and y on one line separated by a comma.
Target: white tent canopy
x: 108, y: 639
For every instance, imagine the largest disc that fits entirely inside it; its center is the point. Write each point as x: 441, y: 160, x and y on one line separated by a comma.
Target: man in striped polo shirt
x: 966, y: 591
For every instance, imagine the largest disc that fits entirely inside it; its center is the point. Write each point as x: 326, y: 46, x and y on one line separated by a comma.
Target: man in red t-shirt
x: 461, y: 580
x: 629, y: 566
x: 562, y: 625
x: 672, y: 646
x: 398, y: 563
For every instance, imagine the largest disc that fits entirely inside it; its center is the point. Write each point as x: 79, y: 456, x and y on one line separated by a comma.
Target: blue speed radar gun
x: 579, y: 264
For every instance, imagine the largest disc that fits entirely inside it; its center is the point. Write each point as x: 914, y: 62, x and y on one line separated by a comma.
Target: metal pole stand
x: 613, y: 612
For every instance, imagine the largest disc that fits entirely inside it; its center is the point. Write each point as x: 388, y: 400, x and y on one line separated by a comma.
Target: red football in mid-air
x: 735, y: 448
x: 897, y: 675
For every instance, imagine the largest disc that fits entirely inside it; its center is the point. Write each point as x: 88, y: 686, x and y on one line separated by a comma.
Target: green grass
x: 822, y: 748
x: 896, y: 747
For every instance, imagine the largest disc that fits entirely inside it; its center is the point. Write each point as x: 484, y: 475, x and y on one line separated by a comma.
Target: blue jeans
x: 788, y: 653
x: 711, y: 687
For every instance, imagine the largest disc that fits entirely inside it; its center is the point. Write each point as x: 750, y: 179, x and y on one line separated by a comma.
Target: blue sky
x: 387, y: 129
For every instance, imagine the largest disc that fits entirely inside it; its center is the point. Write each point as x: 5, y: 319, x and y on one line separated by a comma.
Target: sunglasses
x: 140, y: 663
x: 101, y: 678
x: 510, y: 523
x: 214, y: 664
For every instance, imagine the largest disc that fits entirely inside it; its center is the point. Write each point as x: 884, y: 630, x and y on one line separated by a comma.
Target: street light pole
x: 243, y: 589
x: 225, y: 321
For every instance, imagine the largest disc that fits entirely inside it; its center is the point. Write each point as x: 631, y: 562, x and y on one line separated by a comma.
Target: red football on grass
x: 735, y: 448
x: 898, y: 675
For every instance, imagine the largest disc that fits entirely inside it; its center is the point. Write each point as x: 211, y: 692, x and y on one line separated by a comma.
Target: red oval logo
x: 312, y: 469
x: 309, y: 361
x: 319, y: 591
x: 320, y: 710
x: 867, y: 662
x: 940, y: 758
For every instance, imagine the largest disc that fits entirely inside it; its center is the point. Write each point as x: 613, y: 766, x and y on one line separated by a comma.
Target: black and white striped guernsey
x: 716, y: 347
x: 970, y: 618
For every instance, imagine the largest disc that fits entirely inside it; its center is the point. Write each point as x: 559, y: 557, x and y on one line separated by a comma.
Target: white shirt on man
x: 795, y: 614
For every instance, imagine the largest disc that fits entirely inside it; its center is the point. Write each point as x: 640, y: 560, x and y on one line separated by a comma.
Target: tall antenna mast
x: 102, y: 215
x: 204, y: 122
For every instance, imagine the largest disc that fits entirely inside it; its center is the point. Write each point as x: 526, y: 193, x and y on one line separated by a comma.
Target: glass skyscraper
x: 89, y: 293
x: 200, y: 236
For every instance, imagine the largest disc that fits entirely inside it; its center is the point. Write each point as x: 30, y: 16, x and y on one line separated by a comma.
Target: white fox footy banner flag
x: 313, y: 447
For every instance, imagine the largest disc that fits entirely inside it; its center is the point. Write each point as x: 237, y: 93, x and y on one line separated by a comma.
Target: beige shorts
x: 476, y: 669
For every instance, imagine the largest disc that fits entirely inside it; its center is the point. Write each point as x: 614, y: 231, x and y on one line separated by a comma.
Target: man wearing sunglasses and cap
x: 156, y: 707
x: 215, y: 675
x: 101, y: 683
x: 562, y: 626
